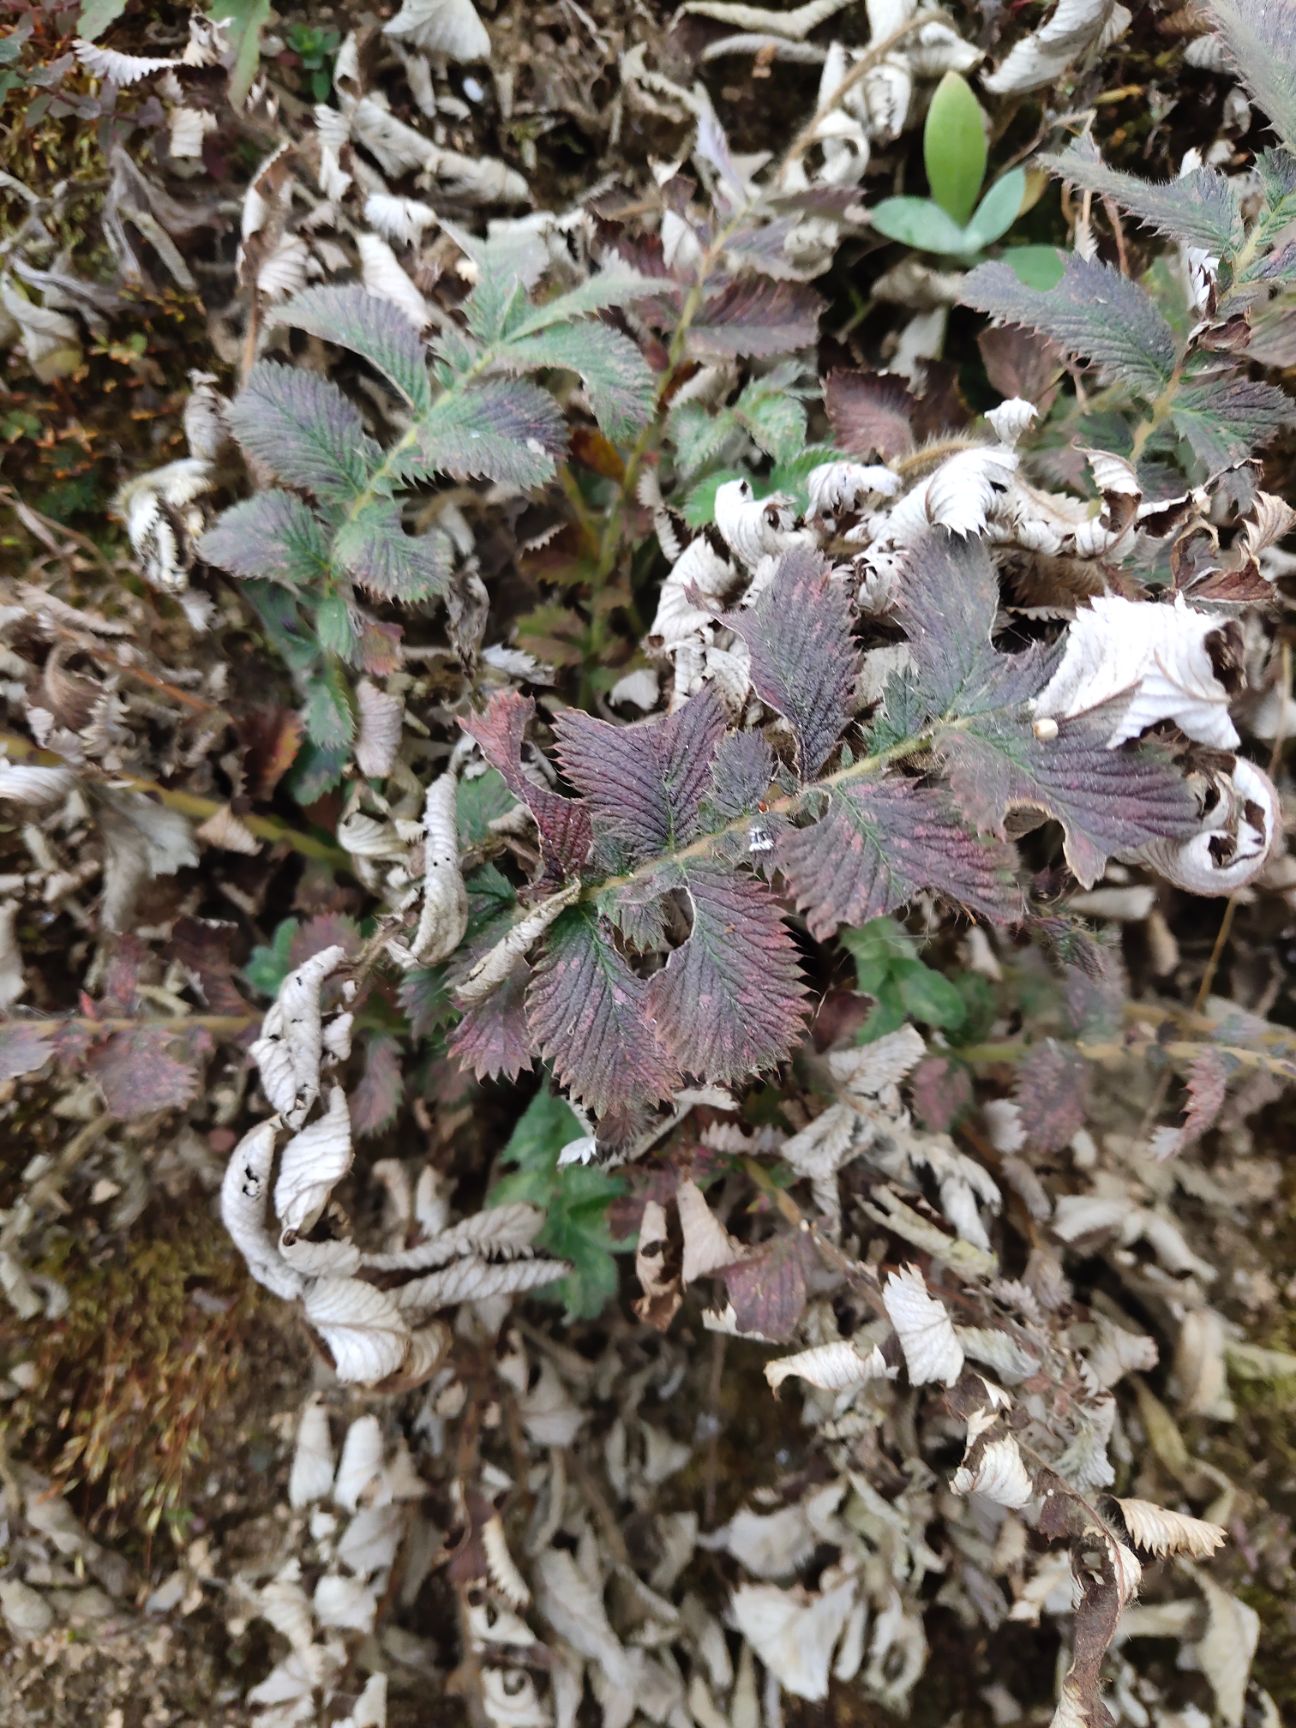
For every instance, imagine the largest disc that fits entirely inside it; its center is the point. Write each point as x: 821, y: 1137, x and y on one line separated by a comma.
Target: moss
x: 141, y: 1372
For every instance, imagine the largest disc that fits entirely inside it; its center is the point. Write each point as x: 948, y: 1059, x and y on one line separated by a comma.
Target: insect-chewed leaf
x: 803, y: 660
x: 871, y: 413
x: 275, y: 536
x: 1199, y: 207
x: 499, y: 429
x: 492, y: 1038
x: 244, y: 1192
x: 304, y: 430
x: 878, y: 844
x: 754, y: 316
x: 646, y: 781
x: 1107, y: 801
x: 590, y: 1017
x: 740, y: 774
x: 376, y: 551
x: 138, y: 1072
x: 1103, y: 798
x: 375, y: 329
x: 1261, y: 40
x: 1093, y: 313
x: 564, y: 823
x: 1051, y: 1090
x: 616, y: 376
x: 362, y: 1326
x: 731, y: 999
x: 1225, y: 417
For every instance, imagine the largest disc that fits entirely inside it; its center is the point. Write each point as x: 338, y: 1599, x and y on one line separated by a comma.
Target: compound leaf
x: 1225, y: 417
x: 564, y: 823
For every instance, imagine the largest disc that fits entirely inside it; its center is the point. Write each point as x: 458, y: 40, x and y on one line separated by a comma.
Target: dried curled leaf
x: 365, y: 1331
x: 834, y: 1367
x: 1163, y: 1532
x: 290, y: 1047
x: 245, y: 1192
x: 314, y: 1161
x: 931, y: 1348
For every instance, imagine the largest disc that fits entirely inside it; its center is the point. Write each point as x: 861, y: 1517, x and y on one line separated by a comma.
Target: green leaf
x: 1261, y: 39
x: 246, y: 19
x: 613, y: 287
x: 304, y: 430
x: 920, y: 223
x: 574, y: 1199
x: 270, y: 963
x: 1036, y: 266
x: 1094, y: 313
x: 930, y: 997
x: 478, y: 802
x: 1199, y: 207
x: 699, y: 436
x: 1225, y: 417
x: 335, y: 628
x: 499, y: 429
x: 376, y: 551
x: 372, y: 328
x: 998, y: 210
x: 954, y: 147
x: 771, y: 410
x: 616, y: 376
x: 330, y: 722
x: 273, y: 536
x: 96, y: 15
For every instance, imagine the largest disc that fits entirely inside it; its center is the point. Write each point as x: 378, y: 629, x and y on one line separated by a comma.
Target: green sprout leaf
x: 954, y: 148
x: 920, y: 223
x: 998, y: 210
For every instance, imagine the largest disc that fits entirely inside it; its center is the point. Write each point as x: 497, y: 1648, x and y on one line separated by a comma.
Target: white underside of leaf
x: 362, y: 1326
x: 314, y: 1162
x: 932, y: 1352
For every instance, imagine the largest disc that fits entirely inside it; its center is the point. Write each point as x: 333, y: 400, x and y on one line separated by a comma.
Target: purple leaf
x: 138, y: 1075
x: 564, y: 823
x: 730, y: 1000
x: 768, y: 1287
x: 740, y: 774
x: 941, y: 1092
x: 1108, y: 801
x: 202, y: 947
x: 425, y: 1001
x: 755, y: 316
x: 878, y: 844
x: 871, y: 413
x: 23, y: 1049
x: 376, y: 1098
x: 589, y: 1017
x: 1051, y: 1090
x: 803, y: 660
x: 644, y: 782
x: 499, y: 429
x: 492, y: 1038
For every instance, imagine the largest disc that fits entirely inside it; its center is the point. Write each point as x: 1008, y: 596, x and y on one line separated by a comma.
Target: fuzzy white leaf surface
x: 1162, y: 1532
x: 362, y: 1326
x: 290, y: 1047
x: 932, y: 1352
x: 999, y: 1474
x: 244, y: 1193
x: 311, y: 1476
x: 831, y: 1367
x: 1149, y: 663
x: 794, y: 1632
x: 314, y: 1161
x: 449, y: 27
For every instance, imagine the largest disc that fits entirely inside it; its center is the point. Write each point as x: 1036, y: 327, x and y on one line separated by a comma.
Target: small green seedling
x: 951, y: 221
